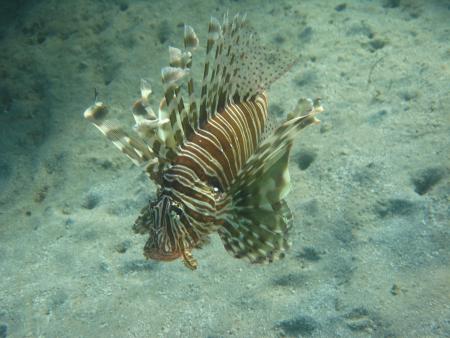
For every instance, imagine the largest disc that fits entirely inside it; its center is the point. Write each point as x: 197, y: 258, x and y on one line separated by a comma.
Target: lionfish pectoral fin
x: 264, y: 179
x: 258, y: 219
x: 306, y: 107
x: 259, y: 234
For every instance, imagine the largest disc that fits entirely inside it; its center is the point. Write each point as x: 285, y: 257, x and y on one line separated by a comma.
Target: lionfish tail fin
x: 257, y: 220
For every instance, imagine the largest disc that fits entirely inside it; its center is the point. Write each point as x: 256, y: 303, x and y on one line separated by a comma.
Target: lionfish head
x: 164, y: 220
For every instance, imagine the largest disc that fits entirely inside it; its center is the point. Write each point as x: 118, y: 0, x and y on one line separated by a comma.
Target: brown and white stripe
x: 218, y: 161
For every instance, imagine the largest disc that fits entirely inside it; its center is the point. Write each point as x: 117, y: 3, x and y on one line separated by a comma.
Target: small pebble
x: 395, y: 290
x: 325, y: 127
x: 123, y: 246
x: 3, y: 330
x: 90, y: 201
x: 340, y: 7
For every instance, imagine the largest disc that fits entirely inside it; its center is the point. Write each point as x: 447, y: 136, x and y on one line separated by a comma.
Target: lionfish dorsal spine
x: 133, y: 147
x: 190, y: 45
x: 214, y: 32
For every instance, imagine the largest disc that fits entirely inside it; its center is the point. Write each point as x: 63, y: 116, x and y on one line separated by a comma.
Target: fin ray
x: 256, y: 219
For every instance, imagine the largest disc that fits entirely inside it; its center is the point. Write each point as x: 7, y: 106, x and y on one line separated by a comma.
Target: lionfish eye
x: 214, y: 182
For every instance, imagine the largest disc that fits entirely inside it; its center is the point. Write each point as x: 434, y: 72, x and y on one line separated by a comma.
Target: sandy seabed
x: 370, y: 185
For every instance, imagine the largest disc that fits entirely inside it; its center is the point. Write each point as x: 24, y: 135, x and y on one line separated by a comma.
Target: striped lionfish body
x: 221, y: 162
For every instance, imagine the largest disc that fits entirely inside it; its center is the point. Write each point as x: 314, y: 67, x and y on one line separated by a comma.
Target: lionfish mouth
x: 159, y: 255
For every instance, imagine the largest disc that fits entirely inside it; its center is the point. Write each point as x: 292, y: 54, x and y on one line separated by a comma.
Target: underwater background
x: 370, y: 185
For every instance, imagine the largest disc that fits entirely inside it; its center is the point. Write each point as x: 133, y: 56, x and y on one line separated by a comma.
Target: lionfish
x: 220, y: 163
